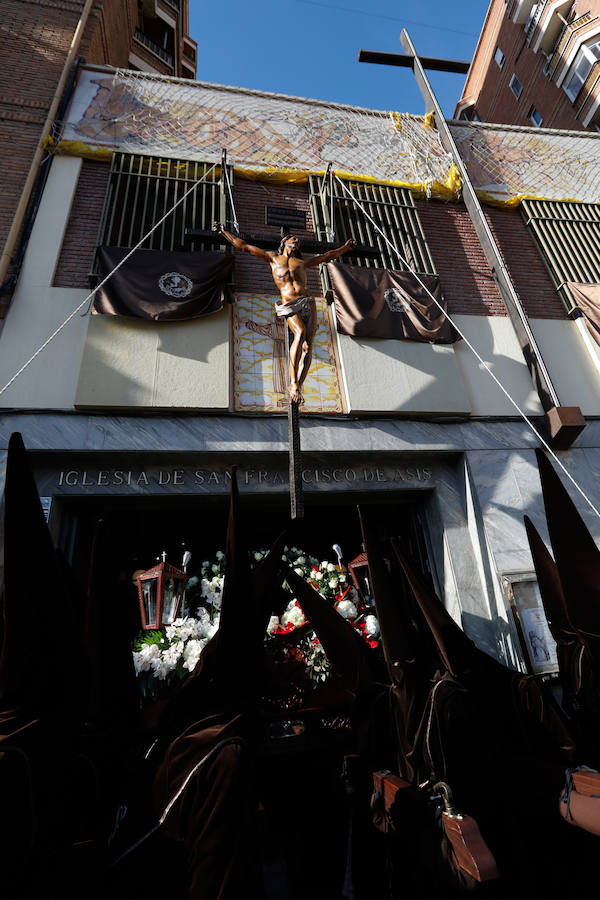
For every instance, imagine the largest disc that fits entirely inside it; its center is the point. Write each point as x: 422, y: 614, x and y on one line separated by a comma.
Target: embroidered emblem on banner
x: 395, y: 301
x: 174, y: 284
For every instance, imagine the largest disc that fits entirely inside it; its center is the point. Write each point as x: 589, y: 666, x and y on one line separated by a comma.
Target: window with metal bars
x: 568, y: 238
x: 391, y: 208
x: 142, y: 189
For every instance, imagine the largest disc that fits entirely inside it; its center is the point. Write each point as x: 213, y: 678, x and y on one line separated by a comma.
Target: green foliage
x: 156, y: 636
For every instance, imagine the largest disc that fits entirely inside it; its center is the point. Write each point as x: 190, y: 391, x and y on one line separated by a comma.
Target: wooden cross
x: 260, y: 239
x: 294, y: 447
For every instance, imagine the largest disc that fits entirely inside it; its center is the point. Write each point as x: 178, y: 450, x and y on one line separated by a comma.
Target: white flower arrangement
x: 372, y: 625
x: 293, y: 615
x: 347, y: 609
x: 164, y: 657
x: 170, y: 655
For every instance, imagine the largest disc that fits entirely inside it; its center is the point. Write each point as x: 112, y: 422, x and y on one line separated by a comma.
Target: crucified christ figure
x: 296, y: 304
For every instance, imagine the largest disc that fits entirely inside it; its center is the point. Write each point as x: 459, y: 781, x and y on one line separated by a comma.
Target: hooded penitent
x: 568, y: 647
x: 489, y: 732
x: 577, y: 561
x: 39, y: 660
x: 204, y: 787
x: 479, y: 726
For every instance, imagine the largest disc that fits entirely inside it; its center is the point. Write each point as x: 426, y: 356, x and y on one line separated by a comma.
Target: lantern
x: 359, y: 572
x: 160, y: 591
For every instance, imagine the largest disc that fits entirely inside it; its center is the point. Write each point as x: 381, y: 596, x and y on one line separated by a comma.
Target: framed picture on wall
x: 528, y: 610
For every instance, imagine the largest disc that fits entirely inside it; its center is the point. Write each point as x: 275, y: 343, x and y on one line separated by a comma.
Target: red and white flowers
x: 164, y: 657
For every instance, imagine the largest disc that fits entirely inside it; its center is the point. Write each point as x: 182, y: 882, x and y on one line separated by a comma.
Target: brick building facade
x: 138, y: 422
x: 109, y: 374
x: 36, y: 38
x: 466, y: 278
x: 536, y: 64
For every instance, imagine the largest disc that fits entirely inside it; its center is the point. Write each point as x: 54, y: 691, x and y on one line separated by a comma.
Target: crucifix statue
x: 297, y: 305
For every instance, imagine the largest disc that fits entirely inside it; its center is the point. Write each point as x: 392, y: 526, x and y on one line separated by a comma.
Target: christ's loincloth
x: 302, y: 307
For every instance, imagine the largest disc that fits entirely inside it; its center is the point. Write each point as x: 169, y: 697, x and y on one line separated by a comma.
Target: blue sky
x: 309, y: 48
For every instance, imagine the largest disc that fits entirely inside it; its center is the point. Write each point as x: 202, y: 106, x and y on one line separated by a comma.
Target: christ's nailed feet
x: 296, y: 394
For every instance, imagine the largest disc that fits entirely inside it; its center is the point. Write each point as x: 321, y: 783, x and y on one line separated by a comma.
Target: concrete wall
x: 37, y: 308
x: 402, y: 376
x: 181, y: 365
x: 497, y: 345
x: 575, y: 374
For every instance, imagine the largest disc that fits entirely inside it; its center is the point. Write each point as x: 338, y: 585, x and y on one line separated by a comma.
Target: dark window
x: 515, y: 86
x: 581, y: 68
x: 535, y: 117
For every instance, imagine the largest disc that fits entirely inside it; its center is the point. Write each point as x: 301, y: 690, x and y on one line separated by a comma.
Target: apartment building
x: 536, y: 64
x: 43, y: 45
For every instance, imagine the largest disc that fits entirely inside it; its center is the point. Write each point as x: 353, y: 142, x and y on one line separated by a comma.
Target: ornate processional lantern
x: 160, y: 591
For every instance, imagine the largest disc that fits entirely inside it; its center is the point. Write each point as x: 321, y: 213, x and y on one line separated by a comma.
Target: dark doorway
x: 141, y: 529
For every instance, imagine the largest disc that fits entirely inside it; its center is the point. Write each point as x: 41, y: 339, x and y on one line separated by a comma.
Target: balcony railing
x: 534, y: 19
x: 188, y: 51
x: 155, y: 48
x: 564, y: 40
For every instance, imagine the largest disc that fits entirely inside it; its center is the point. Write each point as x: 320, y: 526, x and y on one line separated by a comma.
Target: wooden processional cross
x: 266, y: 241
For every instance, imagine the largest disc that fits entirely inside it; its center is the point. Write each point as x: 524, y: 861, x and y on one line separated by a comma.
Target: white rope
x: 472, y: 348
x: 102, y: 283
x: 227, y: 182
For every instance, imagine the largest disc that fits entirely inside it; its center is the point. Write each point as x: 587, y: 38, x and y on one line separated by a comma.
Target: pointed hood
x: 409, y: 654
x: 113, y: 698
x: 576, y: 554
x: 455, y: 649
x: 400, y: 639
x: 227, y: 675
x: 33, y: 675
x: 460, y: 656
x: 239, y: 646
x: 521, y: 705
x: 346, y: 650
x: 550, y: 586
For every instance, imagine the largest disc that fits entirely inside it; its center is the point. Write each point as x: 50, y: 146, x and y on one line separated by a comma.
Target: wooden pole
x: 296, y: 490
x: 295, y: 450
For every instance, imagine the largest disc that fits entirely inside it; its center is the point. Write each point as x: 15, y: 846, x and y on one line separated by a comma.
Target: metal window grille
x: 392, y: 208
x: 141, y: 189
x: 568, y: 238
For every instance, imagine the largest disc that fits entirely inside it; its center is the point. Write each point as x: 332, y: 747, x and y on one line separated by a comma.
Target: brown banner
x: 161, y: 285
x: 384, y: 303
x: 587, y: 298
